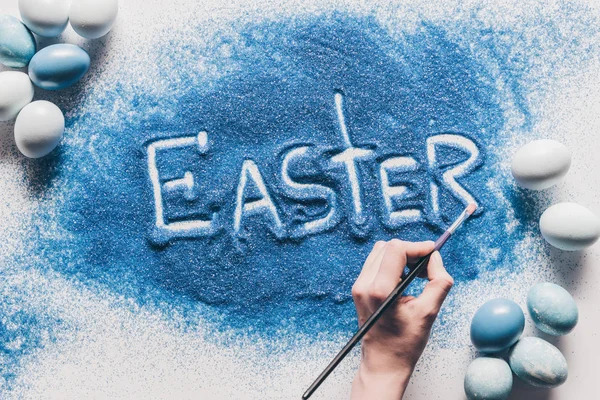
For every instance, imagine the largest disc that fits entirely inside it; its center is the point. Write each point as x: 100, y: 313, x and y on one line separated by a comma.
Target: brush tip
x: 471, y: 208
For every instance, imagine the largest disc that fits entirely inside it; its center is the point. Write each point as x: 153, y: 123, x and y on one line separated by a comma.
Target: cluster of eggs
x: 540, y: 165
x: 39, y: 125
x: 497, y: 326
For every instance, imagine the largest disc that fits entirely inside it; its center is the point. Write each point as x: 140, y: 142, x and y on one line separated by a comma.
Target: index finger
x: 416, y: 250
x: 421, y: 249
x: 395, y: 258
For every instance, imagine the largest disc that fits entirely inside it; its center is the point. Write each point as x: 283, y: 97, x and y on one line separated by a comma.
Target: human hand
x: 394, y: 344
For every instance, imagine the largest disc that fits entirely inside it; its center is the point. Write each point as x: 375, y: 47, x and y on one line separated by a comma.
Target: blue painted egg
x: 17, y: 44
x: 497, y: 325
x: 538, y: 363
x: 552, y: 309
x: 58, y: 66
x: 488, y: 379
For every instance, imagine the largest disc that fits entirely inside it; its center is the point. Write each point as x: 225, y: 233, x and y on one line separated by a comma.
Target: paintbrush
x: 419, y: 267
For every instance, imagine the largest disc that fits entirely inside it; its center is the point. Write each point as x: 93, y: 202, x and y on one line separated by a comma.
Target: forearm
x: 369, y: 385
x: 391, y: 349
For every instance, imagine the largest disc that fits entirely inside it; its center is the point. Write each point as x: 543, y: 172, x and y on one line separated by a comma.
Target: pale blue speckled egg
x: 17, y: 44
x: 497, y: 325
x: 488, y: 379
x: 58, y: 66
x: 552, y: 309
x: 538, y: 363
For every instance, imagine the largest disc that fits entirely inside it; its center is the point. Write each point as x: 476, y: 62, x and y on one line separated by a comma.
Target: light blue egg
x: 488, y: 379
x: 538, y: 363
x: 58, y: 66
x: 552, y: 309
x: 497, y: 325
x: 17, y: 44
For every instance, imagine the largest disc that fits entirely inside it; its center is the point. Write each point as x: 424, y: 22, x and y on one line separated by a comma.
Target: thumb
x: 440, y: 283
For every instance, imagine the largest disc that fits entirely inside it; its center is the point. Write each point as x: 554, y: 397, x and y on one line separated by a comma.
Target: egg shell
x: 58, y: 66
x: 38, y: 128
x: 569, y: 226
x: 17, y: 92
x: 17, y: 44
x: 540, y: 164
x: 92, y: 18
x: 488, y: 379
x: 47, y: 18
x: 538, y: 363
x: 552, y: 309
x: 497, y: 325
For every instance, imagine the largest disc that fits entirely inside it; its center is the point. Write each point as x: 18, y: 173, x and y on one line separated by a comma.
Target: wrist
x: 378, y: 383
x: 380, y: 359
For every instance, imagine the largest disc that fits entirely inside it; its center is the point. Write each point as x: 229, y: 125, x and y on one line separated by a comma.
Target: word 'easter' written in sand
x: 263, y: 202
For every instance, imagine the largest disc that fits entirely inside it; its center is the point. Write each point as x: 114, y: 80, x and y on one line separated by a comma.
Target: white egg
x: 38, y: 128
x: 47, y: 18
x: 92, y: 18
x: 541, y: 164
x: 16, y: 92
x: 569, y: 226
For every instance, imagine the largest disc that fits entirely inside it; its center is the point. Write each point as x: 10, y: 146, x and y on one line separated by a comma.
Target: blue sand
x: 21, y: 333
x: 17, y: 44
x: 497, y: 325
x: 278, y: 94
x: 58, y: 66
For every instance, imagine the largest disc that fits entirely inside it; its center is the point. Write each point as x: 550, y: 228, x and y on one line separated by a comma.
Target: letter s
x: 309, y: 191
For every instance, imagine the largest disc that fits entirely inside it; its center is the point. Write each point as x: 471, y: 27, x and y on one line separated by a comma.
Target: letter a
x: 264, y: 205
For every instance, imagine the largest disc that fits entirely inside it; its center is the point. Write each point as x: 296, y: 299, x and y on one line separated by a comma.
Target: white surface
x: 134, y: 354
